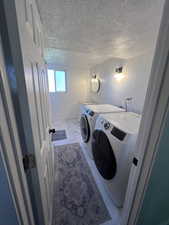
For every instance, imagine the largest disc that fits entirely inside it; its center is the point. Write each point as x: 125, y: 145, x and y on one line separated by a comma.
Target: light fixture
x: 94, y: 76
x: 119, y: 74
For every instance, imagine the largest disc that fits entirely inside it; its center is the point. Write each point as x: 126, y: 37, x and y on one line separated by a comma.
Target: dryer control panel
x: 119, y: 134
x: 116, y: 132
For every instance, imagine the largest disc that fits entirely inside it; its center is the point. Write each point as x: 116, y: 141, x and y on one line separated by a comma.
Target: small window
x: 60, y: 79
x: 57, y: 81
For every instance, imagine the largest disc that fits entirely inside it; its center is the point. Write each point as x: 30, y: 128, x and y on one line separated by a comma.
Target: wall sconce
x: 94, y: 76
x: 95, y: 84
x: 119, y: 74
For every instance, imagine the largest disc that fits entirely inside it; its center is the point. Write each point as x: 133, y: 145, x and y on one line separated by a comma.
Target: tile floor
x: 72, y: 128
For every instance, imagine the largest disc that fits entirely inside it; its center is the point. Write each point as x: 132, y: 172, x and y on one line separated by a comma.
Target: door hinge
x: 29, y: 161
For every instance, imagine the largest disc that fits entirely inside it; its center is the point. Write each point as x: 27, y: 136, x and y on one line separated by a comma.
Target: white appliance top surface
x: 87, y: 103
x: 128, y: 122
x: 104, y: 108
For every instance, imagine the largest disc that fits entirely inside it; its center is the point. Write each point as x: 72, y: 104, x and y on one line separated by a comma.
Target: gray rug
x: 77, y: 200
x: 59, y: 135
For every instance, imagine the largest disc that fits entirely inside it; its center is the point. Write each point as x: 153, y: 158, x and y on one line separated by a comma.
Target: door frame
x: 11, y: 155
x: 152, y: 124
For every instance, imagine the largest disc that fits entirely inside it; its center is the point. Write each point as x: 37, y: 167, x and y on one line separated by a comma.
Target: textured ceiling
x: 98, y: 29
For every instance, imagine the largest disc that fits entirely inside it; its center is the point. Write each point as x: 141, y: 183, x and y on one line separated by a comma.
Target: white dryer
x: 88, y: 120
x: 113, y: 145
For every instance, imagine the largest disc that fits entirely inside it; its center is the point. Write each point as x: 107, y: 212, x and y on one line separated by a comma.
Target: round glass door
x: 85, y: 128
x: 103, y: 155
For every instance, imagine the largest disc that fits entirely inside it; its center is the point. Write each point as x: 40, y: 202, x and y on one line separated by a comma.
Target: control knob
x: 91, y: 113
x: 106, y: 125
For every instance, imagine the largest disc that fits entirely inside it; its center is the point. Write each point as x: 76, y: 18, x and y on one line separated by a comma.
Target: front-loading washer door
x: 85, y: 128
x: 103, y: 155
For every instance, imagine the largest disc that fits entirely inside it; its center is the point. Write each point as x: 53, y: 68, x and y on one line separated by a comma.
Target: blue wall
x: 155, y: 209
x: 7, y: 210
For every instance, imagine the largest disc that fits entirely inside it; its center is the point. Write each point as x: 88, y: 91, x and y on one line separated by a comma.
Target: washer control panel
x: 90, y: 112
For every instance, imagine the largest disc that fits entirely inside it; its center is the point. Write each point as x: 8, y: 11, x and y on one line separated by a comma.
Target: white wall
x: 67, y: 105
x: 137, y: 72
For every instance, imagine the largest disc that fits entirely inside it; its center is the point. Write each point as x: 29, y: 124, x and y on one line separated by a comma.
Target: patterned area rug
x: 59, y: 135
x: 77, y: 200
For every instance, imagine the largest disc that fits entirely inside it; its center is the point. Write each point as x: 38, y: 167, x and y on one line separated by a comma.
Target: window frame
x: 66, y: 86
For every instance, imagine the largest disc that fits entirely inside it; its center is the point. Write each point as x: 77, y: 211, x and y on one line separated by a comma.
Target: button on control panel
x: 91, y: 113
x: 106, y: 125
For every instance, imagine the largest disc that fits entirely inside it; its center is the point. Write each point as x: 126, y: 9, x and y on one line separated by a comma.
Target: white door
x: 11, y: 152
x: 36, y: 89
x: 38, y: 105
x: 32, y: 98
x: 35, y: 76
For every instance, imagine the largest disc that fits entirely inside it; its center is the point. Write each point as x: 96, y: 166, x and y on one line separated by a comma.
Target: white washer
x: 88, y: 120
x: 113, y: 144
